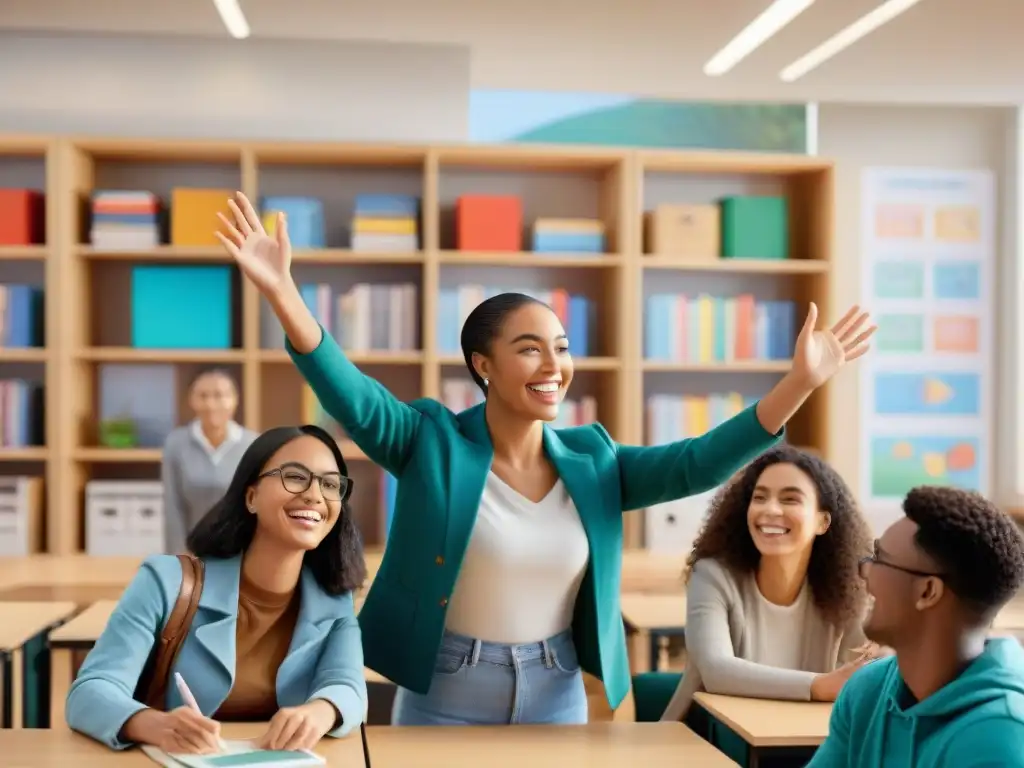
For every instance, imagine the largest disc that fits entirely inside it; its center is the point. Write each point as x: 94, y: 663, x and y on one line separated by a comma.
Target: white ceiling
x: 941, y: 51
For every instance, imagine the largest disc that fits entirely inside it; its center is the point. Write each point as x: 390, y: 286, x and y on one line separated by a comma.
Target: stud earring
x: 487, y: 382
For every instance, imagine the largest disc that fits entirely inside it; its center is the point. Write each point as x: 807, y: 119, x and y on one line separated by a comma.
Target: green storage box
x: 755, y: 228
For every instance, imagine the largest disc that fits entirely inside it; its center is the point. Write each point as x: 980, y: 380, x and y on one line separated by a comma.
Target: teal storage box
x: 181, y: 307
x: 755, y: 228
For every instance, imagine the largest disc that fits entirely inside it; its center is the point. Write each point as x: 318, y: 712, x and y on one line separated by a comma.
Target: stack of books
x: 386, y: 223
x: 305, y: 217
x: 125, y: 220
x: 568, y: 236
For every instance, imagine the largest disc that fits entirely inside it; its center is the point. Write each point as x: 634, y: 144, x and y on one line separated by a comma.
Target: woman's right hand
x: 826, y: 686
x: 263, y: 259
x: 181, y: 731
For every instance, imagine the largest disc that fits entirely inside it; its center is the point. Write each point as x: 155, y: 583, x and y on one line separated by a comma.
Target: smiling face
x: 783, y: 517
x: 529, y: 368
x: 292, y: 507
x: 904, y: 597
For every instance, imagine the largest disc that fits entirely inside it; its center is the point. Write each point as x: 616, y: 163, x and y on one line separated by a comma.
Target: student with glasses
x: 951, y: 697
x: 275, y: 637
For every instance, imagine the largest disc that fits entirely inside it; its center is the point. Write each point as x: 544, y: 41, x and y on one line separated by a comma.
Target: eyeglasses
x: 297, y: 479
x: 875, y: 558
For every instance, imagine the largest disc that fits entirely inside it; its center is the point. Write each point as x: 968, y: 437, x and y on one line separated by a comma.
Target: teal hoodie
x: 976, y: 721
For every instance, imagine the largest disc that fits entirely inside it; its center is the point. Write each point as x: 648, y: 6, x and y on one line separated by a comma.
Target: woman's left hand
x: 299, y: 727
x: 818, y: 355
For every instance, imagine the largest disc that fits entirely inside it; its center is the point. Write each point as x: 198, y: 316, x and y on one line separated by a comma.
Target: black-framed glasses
x: 875, y: 558
x: 297, y: 479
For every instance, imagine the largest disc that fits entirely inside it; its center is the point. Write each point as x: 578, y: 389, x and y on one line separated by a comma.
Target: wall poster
x: 927, y: 388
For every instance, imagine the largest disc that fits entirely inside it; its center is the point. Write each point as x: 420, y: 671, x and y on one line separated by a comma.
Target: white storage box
x: 124, y: 518
x: 21, y: 516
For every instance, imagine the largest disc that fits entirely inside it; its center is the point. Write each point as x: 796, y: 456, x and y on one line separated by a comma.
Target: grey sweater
x: 725, y: 624
x: 193, y: 481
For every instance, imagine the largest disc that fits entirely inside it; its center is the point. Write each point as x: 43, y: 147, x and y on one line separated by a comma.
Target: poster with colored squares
x: 928, y: 254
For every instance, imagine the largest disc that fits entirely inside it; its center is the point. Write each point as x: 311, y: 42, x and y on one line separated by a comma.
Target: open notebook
x: 238, y: 754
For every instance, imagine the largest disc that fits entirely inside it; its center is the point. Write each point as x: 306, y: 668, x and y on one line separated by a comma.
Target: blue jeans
x: 479, y: 683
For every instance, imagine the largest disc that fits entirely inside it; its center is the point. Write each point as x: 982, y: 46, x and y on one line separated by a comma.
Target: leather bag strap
x: 156, y: 678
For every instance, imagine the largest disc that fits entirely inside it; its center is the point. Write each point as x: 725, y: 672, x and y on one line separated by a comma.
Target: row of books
x: 21, y: 413
x: 574, y: 311
x: 21, y: 316
x: 366, y: 317
x: 674, y: 417
x: 709, y: 329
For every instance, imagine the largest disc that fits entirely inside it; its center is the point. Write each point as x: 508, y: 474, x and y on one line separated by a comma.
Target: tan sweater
x: 727, y: 623
x: 266, y: 622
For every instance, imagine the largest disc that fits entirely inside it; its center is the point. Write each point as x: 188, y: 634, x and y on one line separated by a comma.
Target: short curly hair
x: 977, y: 547
x: 836, y: 588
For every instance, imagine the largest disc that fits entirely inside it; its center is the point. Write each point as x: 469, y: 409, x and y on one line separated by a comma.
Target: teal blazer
x: 325, y: 660
x: 441, y: 461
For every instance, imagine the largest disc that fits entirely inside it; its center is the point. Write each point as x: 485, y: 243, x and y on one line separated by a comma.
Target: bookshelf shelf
x: 24, y: 252
x: 348, y: 257
x: 738, y: 366
x: 739, y: 266
x: 167, y: 253
x: 281, y: 357
x: 529, y: 259
x: 24, y: 355
x: 117, y: 455
x: 89, y: 309
x: 138, y: 355
x: 35, y: 453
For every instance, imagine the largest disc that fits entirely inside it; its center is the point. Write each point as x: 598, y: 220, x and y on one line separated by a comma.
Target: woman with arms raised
x: 774, y: 604
x: 274, y: 637
x: 501, y: 576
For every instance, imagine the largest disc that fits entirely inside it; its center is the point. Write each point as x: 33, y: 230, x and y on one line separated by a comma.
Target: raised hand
x: 263, y: 259
x: 819, y: 355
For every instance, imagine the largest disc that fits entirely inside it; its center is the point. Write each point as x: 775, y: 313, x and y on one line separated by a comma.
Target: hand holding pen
x: 190, y: 731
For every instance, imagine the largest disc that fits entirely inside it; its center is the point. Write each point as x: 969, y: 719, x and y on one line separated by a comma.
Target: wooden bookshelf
x: 88, y: 307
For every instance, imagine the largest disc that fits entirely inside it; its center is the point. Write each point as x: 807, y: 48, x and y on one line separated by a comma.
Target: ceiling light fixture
x: 233, y: 18
x: 755, y: 34
x: 843, y: 39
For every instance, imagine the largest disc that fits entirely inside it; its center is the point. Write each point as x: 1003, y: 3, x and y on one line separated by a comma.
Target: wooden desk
x: 652, y: 617
x: 769, y: 726
x: 602, y: 745
x: 19, y: 624
x: 77, y: 636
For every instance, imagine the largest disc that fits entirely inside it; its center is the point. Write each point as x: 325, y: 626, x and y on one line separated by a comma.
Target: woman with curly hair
x: 774, y: 600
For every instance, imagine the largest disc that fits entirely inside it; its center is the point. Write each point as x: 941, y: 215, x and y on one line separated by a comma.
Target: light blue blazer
x: 324, y: 661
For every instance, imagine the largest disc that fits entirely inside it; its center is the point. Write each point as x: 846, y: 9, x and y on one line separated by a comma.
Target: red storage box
x: 488, y: 223
x: 21, y: 217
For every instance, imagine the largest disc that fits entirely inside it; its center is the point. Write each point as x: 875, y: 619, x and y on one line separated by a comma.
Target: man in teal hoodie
x: 951, y: 697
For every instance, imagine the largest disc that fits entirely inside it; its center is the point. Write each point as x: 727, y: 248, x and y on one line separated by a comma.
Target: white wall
x: 164, y: 86
x: 963, y: 138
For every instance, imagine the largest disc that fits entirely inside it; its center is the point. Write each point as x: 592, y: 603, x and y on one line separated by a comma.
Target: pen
x: 189, y: 699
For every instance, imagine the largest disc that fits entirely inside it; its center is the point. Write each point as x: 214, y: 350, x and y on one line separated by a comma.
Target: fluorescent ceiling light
x: 233, y: 18
x: 843, y: 39
x: 755, y: 34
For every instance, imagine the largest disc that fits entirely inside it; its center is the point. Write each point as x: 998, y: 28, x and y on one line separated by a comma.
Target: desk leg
x: 639, y: 648
x: 654, y: 649
x: 7, y: 694
x: 61, y: 665
x: 16, y: 674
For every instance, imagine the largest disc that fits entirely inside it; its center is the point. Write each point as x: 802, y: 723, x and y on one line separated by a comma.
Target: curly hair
x: 836, y: 588
x: 978, y: 548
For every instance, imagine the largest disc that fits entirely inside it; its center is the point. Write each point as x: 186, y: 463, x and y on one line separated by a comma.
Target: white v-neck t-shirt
x: 522, y: 569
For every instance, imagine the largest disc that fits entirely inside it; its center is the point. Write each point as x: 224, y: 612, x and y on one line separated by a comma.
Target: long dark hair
x: 484, y: 325
x: 832, y: 572
x: 227, y: 529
